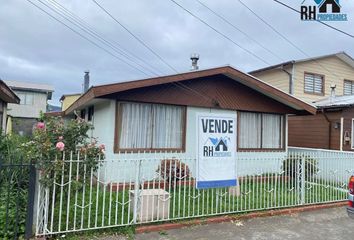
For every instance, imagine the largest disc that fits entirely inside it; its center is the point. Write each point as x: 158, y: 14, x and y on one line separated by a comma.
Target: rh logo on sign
x: 324, y: 10
x: 217, y: 146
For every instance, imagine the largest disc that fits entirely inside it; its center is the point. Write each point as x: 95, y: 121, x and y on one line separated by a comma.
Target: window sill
x: 316, y: 94
x: 149, y: 150
x: 261, y: 150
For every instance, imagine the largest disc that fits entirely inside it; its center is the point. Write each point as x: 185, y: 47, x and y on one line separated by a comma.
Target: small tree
x: 173, y: 170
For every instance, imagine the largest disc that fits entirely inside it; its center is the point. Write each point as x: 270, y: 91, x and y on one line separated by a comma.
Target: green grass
x: 101, y: 208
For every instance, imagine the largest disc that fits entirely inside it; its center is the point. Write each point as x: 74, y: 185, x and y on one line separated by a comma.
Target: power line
x: 84, y: 37
x: 239, y: 30
x: 325, y: 24
x: 286, y: 39
x: 135, y: 36
x: 90, y: 32
x: 271, y: 27
x: 178, y: 84
x: 218, y: 32
x: 128, y: 54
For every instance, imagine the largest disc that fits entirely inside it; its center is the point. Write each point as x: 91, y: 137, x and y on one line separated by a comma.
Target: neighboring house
x: 7, y: 96
x: 159, y: 114
x: 67, y: 99
x: 311, y: 79
x: 33, y: 100
x: 331, y: 128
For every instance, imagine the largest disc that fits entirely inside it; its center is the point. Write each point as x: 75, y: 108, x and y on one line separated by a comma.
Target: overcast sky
x: 36, y: 48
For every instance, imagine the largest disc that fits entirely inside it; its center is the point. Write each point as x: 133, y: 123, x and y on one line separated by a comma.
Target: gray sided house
x: 7, y: 96
x: 160, y: 114
x: 33, y: 100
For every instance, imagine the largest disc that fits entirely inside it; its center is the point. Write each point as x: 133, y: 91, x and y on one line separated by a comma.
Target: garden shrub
x: 55, y: 140
x: 173, y: 170
x: 292, y: 167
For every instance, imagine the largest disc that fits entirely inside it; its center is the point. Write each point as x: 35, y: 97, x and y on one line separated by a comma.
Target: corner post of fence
x: 302, y: 178
x: 136, y: 190
x: 30, y: 201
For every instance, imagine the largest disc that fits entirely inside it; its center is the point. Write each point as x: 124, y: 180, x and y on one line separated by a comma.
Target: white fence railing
x: 145, y: 188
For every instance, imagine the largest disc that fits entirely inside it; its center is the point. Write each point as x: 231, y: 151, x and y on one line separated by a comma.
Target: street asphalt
x: 322, y: 224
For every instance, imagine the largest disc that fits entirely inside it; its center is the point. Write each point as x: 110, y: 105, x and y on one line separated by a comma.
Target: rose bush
x: 54, y: 141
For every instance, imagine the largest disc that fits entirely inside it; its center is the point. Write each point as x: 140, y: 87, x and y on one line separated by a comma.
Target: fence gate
x: 17, y: 190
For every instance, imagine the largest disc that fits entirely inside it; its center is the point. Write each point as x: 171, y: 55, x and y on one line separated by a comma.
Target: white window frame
x: 313, y: 92
x: 351, y: 82
x: 23, y: 100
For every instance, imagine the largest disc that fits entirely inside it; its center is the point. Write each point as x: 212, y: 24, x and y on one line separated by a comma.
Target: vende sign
x: 216, y: 163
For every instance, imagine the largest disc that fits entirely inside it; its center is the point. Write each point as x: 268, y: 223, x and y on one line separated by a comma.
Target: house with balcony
x: 33, y: 100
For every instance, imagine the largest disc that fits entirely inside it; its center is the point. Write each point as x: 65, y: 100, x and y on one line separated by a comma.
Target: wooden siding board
x: 221, y: 92
x: 313, y: 131
x: 334, y: 69
x: 237, y: 76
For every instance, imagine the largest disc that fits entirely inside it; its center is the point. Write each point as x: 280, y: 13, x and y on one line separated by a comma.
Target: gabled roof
x: 37, y: 87
x: 341, y: 55
x: 234, y: 74
x: 7, y: 95
x: 336, y: 102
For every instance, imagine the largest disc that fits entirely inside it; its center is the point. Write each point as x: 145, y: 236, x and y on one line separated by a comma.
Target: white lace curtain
x: 260, y: 130
x: 151, y: 126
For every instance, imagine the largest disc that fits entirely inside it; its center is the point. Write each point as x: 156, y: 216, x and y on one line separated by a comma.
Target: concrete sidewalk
x: 322, y: 224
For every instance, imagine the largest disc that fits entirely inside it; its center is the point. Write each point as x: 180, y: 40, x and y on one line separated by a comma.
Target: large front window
x: 144, y: 126
x: 260, y: 131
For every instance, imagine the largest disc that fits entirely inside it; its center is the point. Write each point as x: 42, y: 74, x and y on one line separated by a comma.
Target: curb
x: 229, y: 218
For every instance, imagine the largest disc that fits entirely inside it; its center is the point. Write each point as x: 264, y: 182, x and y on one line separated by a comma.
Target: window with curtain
x: 348, y: 87
x: 150, y: 126
x: 314, y: 83
x: 260, y: 131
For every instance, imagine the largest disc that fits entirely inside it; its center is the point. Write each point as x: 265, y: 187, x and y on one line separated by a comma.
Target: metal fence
x: 152, y: 187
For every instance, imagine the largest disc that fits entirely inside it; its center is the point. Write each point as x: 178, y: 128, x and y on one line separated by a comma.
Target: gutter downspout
x: 291, y: 78
x: 329, y: 128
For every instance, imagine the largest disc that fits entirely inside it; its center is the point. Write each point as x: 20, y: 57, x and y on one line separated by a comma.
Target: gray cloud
x: 34, y: 47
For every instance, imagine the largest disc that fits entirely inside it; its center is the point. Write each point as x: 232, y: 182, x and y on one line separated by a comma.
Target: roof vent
x: 194, y: 58
x: 333, y: 92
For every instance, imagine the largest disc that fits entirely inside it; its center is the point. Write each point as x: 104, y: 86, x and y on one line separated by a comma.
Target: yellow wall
x: 68, y: 100
x: 275, y: 77
x: 334, y: 70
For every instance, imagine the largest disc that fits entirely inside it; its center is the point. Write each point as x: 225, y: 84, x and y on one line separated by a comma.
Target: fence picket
x: 266, y: 181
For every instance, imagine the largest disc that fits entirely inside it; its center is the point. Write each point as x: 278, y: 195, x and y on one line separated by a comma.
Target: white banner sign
x: 216, y: 163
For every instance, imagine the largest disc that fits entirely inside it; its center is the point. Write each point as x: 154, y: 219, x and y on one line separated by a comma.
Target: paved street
x: 322, y: 224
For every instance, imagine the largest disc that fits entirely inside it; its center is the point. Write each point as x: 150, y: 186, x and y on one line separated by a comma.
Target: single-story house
x: 159, y: 114
x: 6, y: 96
x: 330, y: 128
